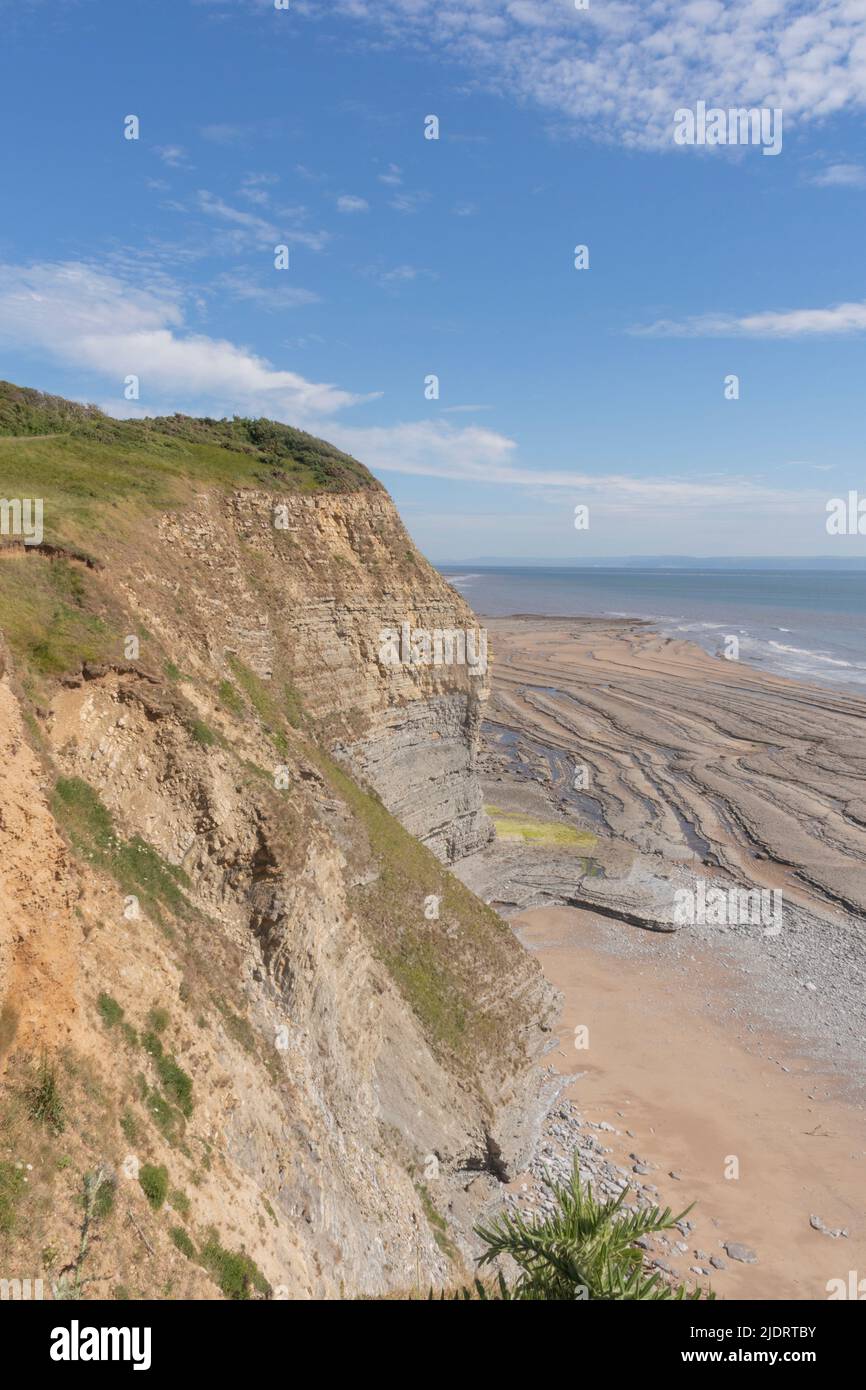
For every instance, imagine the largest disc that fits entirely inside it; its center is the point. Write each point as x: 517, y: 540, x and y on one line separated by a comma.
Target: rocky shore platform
x: 718, y: 1058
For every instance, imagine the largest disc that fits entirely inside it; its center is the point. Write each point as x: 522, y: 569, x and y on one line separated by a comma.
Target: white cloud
x: 259, y: 231
x: 408, y: 202
x: 224, y: 133
x: 389, y: 277
x: 473, y: 454
x: 348, y: 202
x: 619, y: 70
x: 841, y: 176
x: 111, y: 326
x: 174, y: 156
x: 254, y: 188
x: 257, y: 226
x: 273, y: 296
x: 310, y: 174
x: 392, y: 176
x: 840, y: 320
x: 83, y: 317
x: 430, y: 449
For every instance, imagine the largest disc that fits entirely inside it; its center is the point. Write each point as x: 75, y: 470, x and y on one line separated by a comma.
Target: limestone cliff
x: 241, y: 995
x: 312, y: 597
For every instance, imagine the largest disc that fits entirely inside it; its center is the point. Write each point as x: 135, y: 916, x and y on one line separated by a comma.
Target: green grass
x: 129, y: 1126
x: 202, y: 733
x: 111, y: 1014
x: 274, y: 707
x: 167, y: 1119
x: 175, y: 1080
x: 437, y: 1223
x: 103, y: 1204
x: 183, y: 1242
x: 446, y: 970
x: 50, y: 613
x: 11, y: 1188
x: 236, y: 1274
x: 158, y: 1019
x: 237, y: 1027
x: 231, y: 699
x: 109, y: 1010
x: 136, y: 866
x: 154, y: 1184
x: 294, y: 706
x: 100, y: 480
x: 42, y: 1095
x: 177, y: 1083
x: 180, y: 1202
x: 82, y: 462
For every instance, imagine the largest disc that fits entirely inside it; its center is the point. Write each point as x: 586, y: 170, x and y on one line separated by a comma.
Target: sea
x: 808, y: 625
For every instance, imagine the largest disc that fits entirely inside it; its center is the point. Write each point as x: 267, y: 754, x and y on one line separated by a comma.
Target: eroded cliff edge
x: 228, y: 930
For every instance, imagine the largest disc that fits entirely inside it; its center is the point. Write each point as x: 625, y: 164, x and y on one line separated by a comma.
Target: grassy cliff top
x: 58, y: 449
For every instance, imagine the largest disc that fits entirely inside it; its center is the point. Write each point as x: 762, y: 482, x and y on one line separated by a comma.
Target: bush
x: 585, y: 1249
x: 154, y: 1183
x: 180, y: 1202
x: 129, y: 1125
x: 109, y: 1009
x: 183, y: 1242
x: 165, y: 1117
x: 103, y: 1203
x: 176, y: 1081
x: 43, y: 1098
x: 235, y: 1273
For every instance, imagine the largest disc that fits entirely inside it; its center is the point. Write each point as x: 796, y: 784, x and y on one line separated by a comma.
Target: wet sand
x: 673, y: 1057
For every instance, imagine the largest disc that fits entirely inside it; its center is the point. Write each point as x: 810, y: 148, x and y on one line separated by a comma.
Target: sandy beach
x: 622, y: 768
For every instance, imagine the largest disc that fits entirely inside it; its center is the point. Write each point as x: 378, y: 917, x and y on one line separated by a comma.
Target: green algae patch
x: 526, y: 830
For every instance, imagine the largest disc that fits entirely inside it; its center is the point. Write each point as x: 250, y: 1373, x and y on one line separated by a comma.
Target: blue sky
x: 409, y: 257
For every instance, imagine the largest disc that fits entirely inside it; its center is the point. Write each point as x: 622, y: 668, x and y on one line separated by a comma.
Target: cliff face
x: 227, y: 927
x: 317, y: 594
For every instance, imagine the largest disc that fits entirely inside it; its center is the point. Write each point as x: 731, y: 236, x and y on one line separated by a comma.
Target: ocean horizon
x: 808, y: 625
